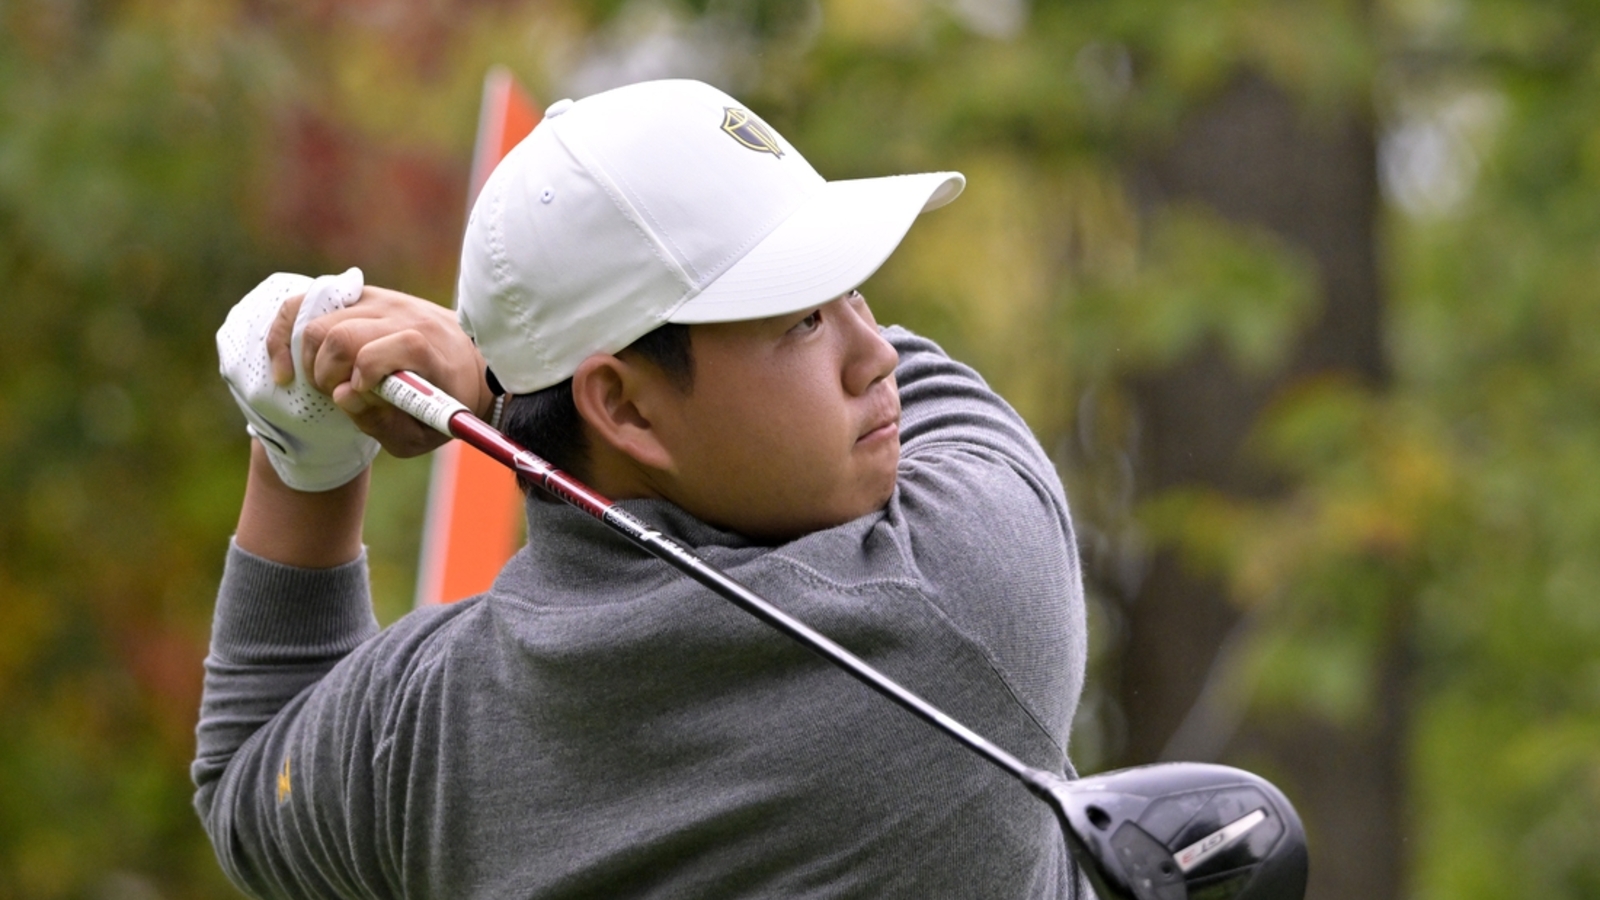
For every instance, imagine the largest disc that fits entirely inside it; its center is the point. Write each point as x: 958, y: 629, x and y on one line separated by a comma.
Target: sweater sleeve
x: 989, y: 531
x: 271, y: 722
x: 944, y: 402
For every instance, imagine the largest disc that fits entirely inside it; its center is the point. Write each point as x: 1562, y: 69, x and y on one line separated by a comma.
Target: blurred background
x: 1300, y: 294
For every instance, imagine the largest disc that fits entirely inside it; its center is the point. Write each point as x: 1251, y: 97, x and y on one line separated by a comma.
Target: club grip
x: 413, y: 395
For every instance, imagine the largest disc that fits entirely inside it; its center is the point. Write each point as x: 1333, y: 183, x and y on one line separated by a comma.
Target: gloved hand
x: 313, y: 446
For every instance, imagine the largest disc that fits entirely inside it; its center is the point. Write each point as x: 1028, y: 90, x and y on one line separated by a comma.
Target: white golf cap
x: 664, y: 201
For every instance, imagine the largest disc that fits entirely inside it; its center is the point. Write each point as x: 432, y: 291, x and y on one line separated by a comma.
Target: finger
x: 455, y: 366
x: 371, y: 413
x: 278, y: 335
x: 339, y: 343
x: 398, y: 433
x: 315, y: 333
x: 457, y: 370
x: 405, y: 350
x: 317, y: 330
x: 354, y: 403
x: 381, y: 308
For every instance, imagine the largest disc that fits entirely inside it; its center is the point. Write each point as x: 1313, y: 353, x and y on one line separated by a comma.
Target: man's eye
x: 809, y: 323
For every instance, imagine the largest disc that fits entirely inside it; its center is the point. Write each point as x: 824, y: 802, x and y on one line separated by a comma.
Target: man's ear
x: 616, y: 399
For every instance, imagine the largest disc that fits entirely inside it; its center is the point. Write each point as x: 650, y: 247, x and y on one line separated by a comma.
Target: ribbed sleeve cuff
x: 269, y: 612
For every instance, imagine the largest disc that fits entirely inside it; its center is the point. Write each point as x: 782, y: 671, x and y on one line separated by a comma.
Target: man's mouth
x: 881, y: 432
x: 884, y: 425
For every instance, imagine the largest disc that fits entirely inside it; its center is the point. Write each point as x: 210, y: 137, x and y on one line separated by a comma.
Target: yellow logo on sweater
x: 283, y: 782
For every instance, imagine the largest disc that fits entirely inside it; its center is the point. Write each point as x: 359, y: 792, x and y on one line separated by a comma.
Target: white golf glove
x: 312, y: 444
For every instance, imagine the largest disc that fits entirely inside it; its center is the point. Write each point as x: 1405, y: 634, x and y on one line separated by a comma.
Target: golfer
x: 659, y: 295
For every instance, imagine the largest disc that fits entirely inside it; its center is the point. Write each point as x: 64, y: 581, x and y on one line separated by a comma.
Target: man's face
x: 792, y: 425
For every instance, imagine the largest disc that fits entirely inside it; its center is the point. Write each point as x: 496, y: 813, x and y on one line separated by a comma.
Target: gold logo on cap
x: 750, y: 131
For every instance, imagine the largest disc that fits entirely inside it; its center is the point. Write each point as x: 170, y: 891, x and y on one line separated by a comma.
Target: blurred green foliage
x: 156, y: 160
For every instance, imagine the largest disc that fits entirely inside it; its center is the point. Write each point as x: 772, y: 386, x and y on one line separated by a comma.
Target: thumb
x: 353, y: 402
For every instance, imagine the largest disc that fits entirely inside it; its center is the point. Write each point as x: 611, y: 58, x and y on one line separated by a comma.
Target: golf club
x: 1169, y: 831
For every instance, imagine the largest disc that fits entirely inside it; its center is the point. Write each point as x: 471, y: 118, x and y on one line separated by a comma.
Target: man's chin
x: 874, y: 497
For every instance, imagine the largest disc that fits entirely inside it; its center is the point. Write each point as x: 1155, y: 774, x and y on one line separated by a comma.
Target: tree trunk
x: 1256, y: 158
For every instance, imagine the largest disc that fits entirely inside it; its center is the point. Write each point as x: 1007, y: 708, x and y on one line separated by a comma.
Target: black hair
x: 547, y: 421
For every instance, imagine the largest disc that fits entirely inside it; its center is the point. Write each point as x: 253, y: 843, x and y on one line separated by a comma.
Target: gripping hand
x: 311, y: 443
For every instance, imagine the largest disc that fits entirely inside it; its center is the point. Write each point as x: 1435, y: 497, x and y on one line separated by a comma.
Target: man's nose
x: 871, y: 357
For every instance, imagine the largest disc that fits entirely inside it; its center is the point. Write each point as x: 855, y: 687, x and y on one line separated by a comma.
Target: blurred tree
x: 1255, y: 157
x: 1254, y: 437
x: 120, y: 156
x: 155, y: 161
x: 1330, y: 449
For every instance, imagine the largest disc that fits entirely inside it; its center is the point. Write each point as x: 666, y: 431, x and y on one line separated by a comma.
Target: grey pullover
x: 598, y: 725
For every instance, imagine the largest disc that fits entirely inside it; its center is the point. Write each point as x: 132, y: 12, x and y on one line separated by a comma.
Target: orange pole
x: 474, y: 521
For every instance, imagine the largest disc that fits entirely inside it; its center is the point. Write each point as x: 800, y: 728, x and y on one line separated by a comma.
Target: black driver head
x: 1184, y: 831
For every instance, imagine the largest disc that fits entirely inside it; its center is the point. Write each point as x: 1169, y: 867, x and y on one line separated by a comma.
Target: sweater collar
x: 570, y: 553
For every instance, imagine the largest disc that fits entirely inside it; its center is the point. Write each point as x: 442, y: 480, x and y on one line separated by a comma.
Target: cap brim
x: 831, y: 244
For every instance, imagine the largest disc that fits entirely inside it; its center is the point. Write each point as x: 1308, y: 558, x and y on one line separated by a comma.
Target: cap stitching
x: 643, y: 211
x: 504, y: 283
x: 607, y: 182
x: 721, y: 266
x: 718, y: 267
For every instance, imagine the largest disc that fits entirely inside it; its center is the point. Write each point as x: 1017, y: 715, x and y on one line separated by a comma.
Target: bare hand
x: 349, y: 351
